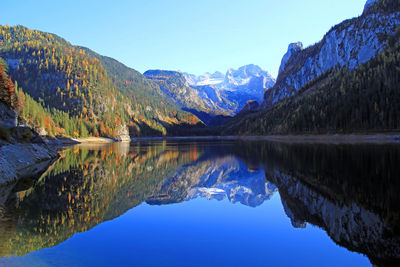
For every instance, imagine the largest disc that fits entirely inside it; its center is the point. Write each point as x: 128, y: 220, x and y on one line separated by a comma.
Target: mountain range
x: 347, y: 82
x: 211, y: 96
x: 248, y: 82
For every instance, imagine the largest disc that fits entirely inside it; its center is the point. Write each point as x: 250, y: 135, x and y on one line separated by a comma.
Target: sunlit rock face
x: 349, y: 44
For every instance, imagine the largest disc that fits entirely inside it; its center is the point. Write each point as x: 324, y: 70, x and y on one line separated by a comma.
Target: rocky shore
x: 20, y: 160
x: 23, y: 153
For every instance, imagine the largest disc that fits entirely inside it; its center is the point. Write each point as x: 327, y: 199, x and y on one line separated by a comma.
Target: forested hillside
x: 340, y: 101
x: 82, y: 93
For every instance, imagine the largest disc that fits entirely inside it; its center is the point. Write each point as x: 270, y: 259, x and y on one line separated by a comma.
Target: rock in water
x: 123, y: 134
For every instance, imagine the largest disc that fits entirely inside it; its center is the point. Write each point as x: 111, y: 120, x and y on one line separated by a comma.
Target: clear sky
x: 192, y: 36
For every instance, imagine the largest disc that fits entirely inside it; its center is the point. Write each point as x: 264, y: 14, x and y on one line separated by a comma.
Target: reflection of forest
x: 350, y: 191
x: 87, y: 186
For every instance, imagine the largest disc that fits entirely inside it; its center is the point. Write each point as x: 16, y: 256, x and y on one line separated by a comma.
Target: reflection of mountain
x: 90, y: 185
x: 228, y: 177
x: 351, y: 226
x: 330, y: 186
x: 215, y: 178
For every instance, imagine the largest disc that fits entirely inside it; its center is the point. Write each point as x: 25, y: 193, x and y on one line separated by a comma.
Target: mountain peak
x: 293, y: 48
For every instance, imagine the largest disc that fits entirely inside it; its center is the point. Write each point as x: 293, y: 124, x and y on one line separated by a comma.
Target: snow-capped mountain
x: 235, y: 88
x: 235, y: 80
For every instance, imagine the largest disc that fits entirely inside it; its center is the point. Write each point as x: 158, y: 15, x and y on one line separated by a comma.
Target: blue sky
x: 191, y: 36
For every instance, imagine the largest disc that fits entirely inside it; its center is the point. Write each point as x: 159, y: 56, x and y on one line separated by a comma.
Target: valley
x: 70, y: 91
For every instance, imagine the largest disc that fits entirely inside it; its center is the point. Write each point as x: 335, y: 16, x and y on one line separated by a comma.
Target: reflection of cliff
x: 349, y: 191
x: 351, y: 226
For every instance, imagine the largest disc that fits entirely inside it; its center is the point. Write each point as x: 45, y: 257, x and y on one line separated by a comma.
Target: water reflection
x: 349, y: 191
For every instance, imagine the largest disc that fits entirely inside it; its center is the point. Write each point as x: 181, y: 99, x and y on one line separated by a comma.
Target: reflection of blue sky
x: 197, y: 233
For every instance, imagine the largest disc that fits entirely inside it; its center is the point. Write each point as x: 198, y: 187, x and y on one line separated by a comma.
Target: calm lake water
x: 208, y: 203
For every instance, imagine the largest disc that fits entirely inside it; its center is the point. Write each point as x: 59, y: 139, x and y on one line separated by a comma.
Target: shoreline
x: 378, y: 138
x: 60, y: 142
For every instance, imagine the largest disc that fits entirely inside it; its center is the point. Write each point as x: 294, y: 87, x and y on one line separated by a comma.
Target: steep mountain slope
x: 349, y: 44
x: 150, y: 101
x: 232, y: 91
x: 100, y: 93
x: 363, y: 99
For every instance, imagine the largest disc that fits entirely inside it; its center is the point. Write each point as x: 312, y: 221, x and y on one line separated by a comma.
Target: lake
x: 208, y: 203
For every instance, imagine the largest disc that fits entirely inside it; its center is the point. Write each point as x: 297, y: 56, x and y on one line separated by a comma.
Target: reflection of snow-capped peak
x: 209, y: 193
x: 231, y: 179
x: 235, y: 193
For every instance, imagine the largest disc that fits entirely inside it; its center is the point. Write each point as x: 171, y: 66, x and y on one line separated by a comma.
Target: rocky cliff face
x: 349, y: 44
x: 292, y: 49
